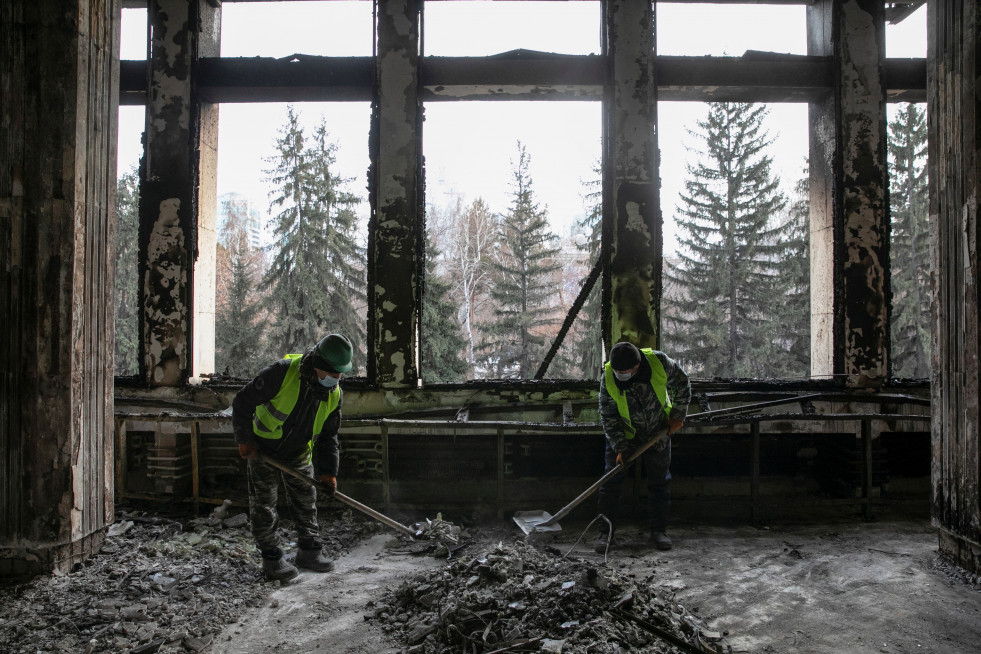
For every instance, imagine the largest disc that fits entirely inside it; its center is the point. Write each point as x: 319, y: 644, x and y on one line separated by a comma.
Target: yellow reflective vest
x: 269, y: 417
x: 659, y: 382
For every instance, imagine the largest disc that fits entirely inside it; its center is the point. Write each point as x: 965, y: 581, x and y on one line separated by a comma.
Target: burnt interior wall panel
x: 849, y: 196
x: 59, y: 73
x: 954, y: 131
x: 631, y: 184
x: 397, y: 232
x: 170, y: 182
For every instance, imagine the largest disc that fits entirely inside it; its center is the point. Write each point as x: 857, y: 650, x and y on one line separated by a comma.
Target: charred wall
x: 59, y: 76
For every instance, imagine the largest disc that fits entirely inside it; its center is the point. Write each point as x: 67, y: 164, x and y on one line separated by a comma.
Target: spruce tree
x: 729, y: 277
x: 443, y: 345
x: 126, y: 349
x: 909, y: 245
x: 317, y: 270
x: 795, y: 360
x: 515, y: 341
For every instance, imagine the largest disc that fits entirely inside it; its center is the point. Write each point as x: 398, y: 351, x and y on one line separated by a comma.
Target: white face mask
x: 329, y: 382
x: 622, y: 376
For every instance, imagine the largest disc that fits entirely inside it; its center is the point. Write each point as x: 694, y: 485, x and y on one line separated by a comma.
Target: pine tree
x: 516, y: 339
x: 317, y: 270
x: 729, y: 277
x: 910, y: 243
x: 238, y: 329
x: 127, y: 274
x: 442, y: 341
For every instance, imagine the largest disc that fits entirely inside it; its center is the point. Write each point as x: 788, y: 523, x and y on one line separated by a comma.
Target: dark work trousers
x: 264, y: 496
x: 657, y: 463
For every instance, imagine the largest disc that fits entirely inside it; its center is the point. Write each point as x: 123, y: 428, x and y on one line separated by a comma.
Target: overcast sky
x: 470, y: 146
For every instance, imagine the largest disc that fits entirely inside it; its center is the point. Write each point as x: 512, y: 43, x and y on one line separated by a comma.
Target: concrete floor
x: 843, y: 587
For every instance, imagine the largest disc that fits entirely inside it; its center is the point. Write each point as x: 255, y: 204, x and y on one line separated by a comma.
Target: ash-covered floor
x: 193, y: 585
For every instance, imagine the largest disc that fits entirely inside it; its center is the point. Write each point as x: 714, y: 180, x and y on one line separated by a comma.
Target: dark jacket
x: 298, y: 427
x: 646, y: 413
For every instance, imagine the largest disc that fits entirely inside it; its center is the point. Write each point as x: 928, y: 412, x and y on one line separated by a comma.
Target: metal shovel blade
x: 531, y: 522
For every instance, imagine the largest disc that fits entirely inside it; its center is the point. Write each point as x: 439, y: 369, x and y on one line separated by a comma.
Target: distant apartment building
x: 238, y: 207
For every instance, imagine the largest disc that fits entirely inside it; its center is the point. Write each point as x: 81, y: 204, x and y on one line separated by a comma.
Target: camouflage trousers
x: 264, y: 497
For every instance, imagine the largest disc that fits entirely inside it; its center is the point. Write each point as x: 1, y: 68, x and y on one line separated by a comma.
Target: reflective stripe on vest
x: 659, y: 382
x: 269, y: 417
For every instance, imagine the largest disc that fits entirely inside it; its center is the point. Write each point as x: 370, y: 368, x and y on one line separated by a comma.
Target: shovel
x: 353, y: 503
x: 541, y: 521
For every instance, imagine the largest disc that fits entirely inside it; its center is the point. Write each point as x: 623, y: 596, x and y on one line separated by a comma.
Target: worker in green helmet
x: 291, y: 413
x: 643, y: 393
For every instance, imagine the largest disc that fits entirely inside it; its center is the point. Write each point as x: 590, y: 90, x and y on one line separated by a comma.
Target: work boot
x: 314, y: 560
x: 660, y: 540
x: 277, y: 568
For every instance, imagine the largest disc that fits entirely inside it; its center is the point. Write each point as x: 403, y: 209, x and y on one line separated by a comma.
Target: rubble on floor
x: 515, y: 597
x: 163, y: 585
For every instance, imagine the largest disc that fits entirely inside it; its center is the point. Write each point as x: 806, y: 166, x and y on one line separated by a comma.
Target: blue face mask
x: 622, y: 376
x: 329, y: 382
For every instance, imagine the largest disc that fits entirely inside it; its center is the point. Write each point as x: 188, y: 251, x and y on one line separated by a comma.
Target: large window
x: 291, y: 226
x: 512, y: 190
x: 735, y: 203
x: 126, y: 301
x: 335, y: 28
x: 909, y: 246
x: 469, y: 29
x: 697, y: 29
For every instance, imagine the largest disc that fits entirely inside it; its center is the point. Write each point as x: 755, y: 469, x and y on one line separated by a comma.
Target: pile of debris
x: 516, y: 597
x: 157, y: 585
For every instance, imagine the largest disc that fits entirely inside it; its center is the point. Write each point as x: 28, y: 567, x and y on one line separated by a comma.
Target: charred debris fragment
x: 516, y: 597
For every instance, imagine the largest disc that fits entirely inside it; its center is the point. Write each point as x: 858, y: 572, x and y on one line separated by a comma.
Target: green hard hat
x: 335, y: 351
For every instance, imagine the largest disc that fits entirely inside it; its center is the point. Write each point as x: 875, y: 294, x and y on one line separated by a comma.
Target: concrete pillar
x: 632, y: 212
x: 177, y: 197
x: 953, y: 115
x: 398, y: 233
x: 59, y: 75
x: 849, y: 198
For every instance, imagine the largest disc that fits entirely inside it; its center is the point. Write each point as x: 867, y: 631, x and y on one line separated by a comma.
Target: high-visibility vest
x: 659, y: 382
x: 269, y: 417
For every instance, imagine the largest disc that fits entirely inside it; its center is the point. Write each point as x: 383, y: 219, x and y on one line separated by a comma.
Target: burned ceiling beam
x: 523, y: 76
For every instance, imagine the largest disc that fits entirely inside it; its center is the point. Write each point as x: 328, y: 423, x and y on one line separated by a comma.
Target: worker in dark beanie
x: 291, y: 412
x: 643, y: 392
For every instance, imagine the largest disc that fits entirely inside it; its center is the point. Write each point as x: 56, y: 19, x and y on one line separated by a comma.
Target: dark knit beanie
x: 624, y: 356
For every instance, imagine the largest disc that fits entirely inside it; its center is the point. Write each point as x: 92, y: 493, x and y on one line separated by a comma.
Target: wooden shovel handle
x: 564, y: 511
x: 351, y: 502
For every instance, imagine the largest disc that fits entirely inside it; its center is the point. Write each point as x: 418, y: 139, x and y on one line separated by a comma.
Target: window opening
x: 906, y: 32
x: 909, y: 244
x: 508, y: 227
x: 736, y: 297
x: 338, y: 28
x: 729, y: 29
x: 291, y: 230
x: 126, y: 301
x: 133, y: 34
x: 468, y: 29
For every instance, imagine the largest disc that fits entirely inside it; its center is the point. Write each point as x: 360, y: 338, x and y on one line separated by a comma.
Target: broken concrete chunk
x: 552, y: 646
x: 119, y: 528
x: 236, y: 521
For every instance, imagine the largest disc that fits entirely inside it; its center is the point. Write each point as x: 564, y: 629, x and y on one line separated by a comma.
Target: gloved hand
x: 248, y: 450
x: 330, y: 482
x: 674, y: 425
x: 620, y: 458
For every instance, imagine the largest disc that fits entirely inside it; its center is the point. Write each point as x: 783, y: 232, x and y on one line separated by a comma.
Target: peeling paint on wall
x: 164, y: 286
